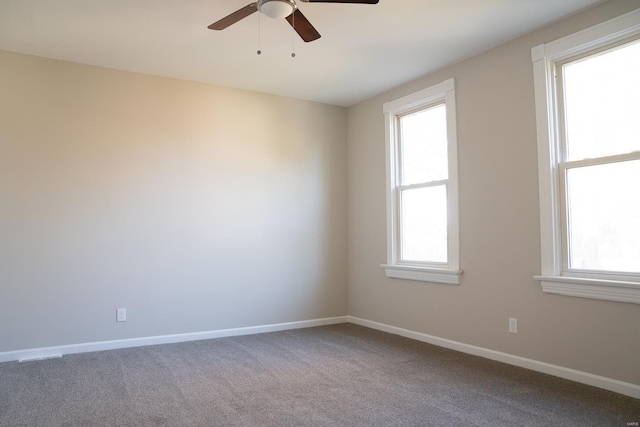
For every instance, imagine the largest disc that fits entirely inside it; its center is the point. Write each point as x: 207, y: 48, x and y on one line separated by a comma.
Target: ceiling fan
x: 279, y: 9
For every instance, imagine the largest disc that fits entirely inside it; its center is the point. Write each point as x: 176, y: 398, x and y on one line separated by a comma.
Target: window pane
x: 602, y: 104
x: 424, y: 224
x: 604, y: 217
x: 423, y: 137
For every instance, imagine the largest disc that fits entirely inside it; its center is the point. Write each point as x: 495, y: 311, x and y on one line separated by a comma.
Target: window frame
x: 438, y: 272
x: 546, y: 58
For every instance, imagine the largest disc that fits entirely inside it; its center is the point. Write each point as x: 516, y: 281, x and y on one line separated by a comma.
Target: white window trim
x: 448, y: 273
x: 544, y: 58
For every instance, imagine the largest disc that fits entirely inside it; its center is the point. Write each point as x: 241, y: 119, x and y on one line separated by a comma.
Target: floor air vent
x: 36, y: 359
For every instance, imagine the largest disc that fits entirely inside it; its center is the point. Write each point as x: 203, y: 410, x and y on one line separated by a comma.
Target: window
x: 422, y: 186
x: 587, y: 108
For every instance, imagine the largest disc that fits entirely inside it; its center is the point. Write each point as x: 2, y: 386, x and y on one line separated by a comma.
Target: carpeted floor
x: 341, y: 375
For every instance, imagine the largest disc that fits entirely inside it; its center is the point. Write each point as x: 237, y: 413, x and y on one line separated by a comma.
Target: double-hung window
x: 422, y: 188
x: 588, y: 113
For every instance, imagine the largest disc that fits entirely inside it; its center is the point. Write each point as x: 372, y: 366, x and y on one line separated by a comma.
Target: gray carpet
x: 341, y: 375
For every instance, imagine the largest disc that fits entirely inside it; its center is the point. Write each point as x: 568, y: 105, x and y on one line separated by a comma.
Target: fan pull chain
x: 259, y: 51
x: 293, y: 34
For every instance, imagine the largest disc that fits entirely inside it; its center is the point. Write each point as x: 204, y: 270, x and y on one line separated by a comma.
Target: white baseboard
x: 621, y: 387
x: 48, y: 352
x: 627, y: 389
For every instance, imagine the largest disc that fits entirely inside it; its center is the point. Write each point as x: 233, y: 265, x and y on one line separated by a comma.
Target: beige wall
x: 499, y: 225
x: 202, y: 208
x: 193, y: 206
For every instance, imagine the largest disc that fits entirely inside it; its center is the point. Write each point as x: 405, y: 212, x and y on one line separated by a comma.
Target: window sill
x: 608, y: 290
x: 424, y: 274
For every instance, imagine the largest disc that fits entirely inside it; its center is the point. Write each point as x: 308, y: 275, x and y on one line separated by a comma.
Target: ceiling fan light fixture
x: 277, y: 9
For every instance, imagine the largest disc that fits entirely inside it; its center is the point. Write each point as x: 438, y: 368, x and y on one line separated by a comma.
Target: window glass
x: 604, y: 217
x: 602, y: 103
x: 424, y: 224
x: 423, y: 137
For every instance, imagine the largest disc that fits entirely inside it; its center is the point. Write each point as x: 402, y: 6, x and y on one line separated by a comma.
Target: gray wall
x: 193, y: 206
x: 499, y: 225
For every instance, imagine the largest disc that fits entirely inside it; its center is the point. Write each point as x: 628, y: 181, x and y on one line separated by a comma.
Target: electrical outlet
x: 121, y: 314
x: 513, y: 325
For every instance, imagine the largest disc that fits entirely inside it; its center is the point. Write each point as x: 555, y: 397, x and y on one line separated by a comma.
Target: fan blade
x: 342, y: 1
x: 234, y: 17
x: 302, y: 26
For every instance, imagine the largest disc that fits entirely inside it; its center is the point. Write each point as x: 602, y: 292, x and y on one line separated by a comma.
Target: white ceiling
x: 364, y: 49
